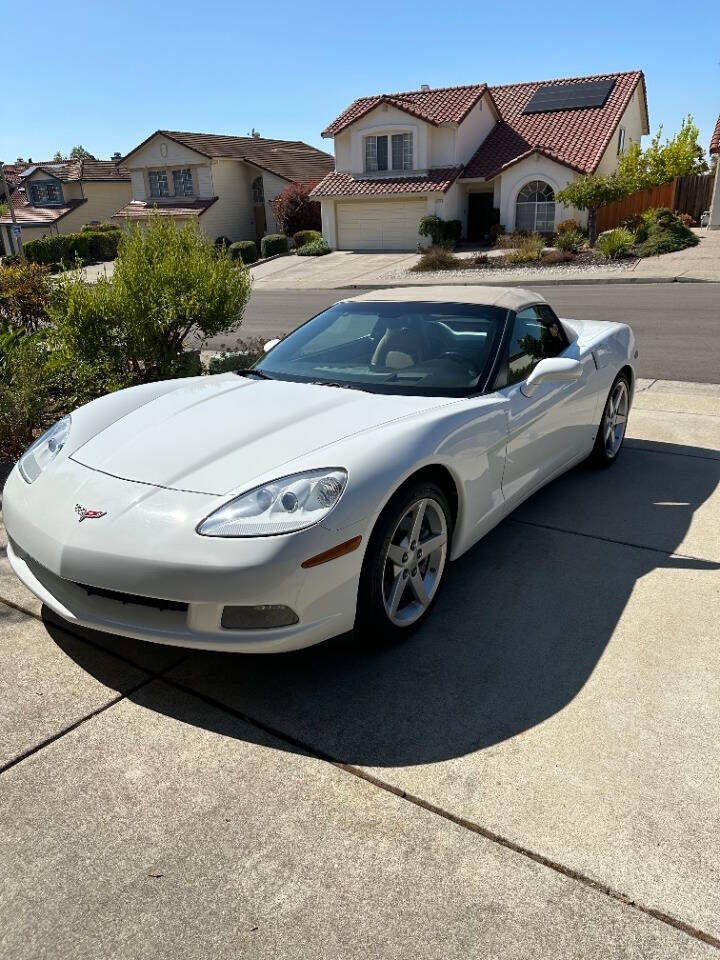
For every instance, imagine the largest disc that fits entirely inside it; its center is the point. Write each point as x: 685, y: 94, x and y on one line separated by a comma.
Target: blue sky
x: 107, y: 74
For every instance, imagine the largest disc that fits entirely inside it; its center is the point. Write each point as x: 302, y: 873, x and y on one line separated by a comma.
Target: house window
x: 258, y: 190
x: 402, y: 151
x: 399, y: 157
x: 621, y: 140
x: 46, y: 194
x: 535, y: 208
x: 183, y: 183
x: 158, y: 183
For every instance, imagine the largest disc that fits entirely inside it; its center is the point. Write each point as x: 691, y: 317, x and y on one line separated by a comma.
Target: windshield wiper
x: 254, y: 373
x: 334, y: 383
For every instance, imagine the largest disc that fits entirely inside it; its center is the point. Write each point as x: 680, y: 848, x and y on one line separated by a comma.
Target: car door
x: 554, y: 426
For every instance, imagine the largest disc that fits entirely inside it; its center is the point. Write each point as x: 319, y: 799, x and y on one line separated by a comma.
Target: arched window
x: 258, y: 190
x: 535, y: 208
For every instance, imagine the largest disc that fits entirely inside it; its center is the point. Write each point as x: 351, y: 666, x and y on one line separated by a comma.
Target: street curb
x: 576, y: 281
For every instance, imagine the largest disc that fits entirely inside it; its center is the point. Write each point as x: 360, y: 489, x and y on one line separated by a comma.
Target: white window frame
x: 539, y: 209
x: 184, y: 181
x: 369, y: 148
x: 621, y: 140
x: 161, y: 173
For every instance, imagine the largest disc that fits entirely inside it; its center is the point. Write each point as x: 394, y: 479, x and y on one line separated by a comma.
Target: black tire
x: 372, y: 620
x: 603, y: 455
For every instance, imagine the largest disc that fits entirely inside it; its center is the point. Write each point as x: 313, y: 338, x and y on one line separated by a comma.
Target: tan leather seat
x: 397, y: 349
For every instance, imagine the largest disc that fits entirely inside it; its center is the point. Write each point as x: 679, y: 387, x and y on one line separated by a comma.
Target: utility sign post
x: 16, y: 229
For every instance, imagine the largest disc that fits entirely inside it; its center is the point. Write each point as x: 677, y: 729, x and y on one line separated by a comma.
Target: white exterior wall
x: 714, y: 223
x: 633, y: 122
x: 103, y: 199
x: 473, y: 130
x: 442, y: 142
x: 164, y: 154
x: 535, y: 167
x: 232, y: 214
x: 381, y: 120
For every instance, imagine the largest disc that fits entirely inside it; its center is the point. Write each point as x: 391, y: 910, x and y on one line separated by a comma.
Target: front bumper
x: 146, y: 545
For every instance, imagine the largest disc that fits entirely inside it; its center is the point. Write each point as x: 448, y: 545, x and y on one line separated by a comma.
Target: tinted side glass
x: 534, y: 338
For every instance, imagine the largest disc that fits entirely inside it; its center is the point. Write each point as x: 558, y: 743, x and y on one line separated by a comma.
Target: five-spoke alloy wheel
x: 405, y: 561
x: 613, y: 425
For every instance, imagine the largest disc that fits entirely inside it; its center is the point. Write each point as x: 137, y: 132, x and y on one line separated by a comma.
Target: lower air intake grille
x: 119, y: 597
x: 265, y: 616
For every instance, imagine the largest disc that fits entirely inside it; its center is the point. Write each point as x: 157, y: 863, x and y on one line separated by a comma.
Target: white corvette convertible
x: 326, y: 487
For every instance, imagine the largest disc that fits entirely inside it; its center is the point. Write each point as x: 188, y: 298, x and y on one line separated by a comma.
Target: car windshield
x: 427, y: 349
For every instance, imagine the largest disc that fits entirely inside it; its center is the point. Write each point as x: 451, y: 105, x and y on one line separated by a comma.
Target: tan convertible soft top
x: 512, y: 298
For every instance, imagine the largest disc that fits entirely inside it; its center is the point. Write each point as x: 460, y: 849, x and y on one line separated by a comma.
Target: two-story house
x: 224, y: 184
x: 477, y: 154
x: 61, y: 197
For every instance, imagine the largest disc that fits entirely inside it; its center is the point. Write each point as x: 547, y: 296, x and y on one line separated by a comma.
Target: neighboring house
x: 714, y: 222
x: 61, y: 197
x: 224, y: 183
x: 478, y: 154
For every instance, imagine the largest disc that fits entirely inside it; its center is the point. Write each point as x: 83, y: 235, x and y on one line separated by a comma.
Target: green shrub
x: 24, y: 296
x: 666, y: 233
x: 316, y: 248
x: 245, y: 250
x: 452, y: 230
x: 527, y: 249
x: 616, y: 243
x: 169, y: 291
x: 272, y: 244
x: 106, y: 227
x: 222, y: 241
x: 88, y: 246
x: 437, y: 258
x: 26, y: 406
x: 306, y: 236
x: 569, y: 241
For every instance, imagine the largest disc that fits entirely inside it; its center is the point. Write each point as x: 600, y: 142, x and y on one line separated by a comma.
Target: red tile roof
x: 574, y: 138
x: 30, y: 215
x: 345, y: 185
x: 715, y: 139
x: 441, y: 105
x: 292, y: 160
x: 140, y: 210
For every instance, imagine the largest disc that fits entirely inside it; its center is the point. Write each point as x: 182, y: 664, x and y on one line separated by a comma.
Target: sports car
x: 326, y: 487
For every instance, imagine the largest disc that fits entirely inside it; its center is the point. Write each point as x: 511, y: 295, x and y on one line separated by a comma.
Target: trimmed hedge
x: 306, y: 236
x: 316, y: 248
x: 64, y: 249
x: 245, y: 250
x: 106, y: 227
x: 274, y: 243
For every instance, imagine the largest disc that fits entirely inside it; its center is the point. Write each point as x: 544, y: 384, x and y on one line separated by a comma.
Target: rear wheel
x: 611, y: 432
x: 404, y: 563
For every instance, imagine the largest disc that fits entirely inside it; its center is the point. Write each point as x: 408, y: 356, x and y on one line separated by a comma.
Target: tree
x: 589, y: 193
x: 170, y: 290
x: 294, y: 210
x: 77, y: 153
x: 682, y: 156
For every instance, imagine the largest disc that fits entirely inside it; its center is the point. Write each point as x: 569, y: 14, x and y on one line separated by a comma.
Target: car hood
x: 219, y: 433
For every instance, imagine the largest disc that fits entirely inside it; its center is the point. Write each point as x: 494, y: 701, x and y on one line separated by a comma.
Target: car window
x: 535, y: 336
x: 345, y: 328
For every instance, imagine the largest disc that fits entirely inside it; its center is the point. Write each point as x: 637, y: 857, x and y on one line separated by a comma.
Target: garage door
x: 389, y: 225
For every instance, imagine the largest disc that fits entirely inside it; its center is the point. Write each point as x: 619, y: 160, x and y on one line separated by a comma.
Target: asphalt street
x: 677, y: 325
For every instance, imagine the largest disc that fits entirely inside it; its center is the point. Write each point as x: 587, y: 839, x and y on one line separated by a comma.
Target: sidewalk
x: 534, y: 775
x: 346, y: 269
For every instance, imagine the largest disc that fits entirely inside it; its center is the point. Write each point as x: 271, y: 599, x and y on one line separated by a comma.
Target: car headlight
x: 41, y: 454
x: 282, y: 506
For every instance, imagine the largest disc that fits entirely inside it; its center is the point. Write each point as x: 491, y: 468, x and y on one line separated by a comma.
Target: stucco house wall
x: 232, y: 214
x: 474, y: 129
x: 632, y: 122
x: 102, y: 200
x: 535, y: 167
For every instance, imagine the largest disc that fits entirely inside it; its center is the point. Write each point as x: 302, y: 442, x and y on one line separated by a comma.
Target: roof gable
x: 291, y: 160
x: 715, y: 139
x: 575, y: 138
x: 440, y: 105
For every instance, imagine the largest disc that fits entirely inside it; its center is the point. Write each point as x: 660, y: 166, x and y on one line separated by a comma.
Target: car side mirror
x: 552, y: 369
x: 270, y: 344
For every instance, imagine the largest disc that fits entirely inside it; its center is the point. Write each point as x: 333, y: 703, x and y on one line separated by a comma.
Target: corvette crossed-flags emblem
x: 84, y: 514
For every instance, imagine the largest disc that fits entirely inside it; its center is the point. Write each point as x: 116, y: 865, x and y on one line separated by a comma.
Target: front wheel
x: 611, y: 432
x: 404, y: 563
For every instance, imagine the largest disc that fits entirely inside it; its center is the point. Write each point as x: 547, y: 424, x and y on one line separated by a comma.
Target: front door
x: 555, y: 425
x: 260, y: 222
x: 481, y: 215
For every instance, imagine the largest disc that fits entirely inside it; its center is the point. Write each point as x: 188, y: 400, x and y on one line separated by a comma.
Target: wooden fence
x: 684, y: 195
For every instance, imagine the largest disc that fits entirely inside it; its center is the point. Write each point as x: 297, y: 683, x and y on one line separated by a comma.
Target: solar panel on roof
x: 569, y: 96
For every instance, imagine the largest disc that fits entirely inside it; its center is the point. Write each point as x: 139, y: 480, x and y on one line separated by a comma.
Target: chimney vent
x: 117, y: 155
x: 425, y: 87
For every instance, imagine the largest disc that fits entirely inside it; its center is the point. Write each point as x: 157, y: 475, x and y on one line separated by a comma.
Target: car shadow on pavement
x: 521, y: 623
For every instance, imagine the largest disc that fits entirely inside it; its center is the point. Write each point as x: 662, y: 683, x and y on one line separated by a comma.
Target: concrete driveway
x: 341, y: 268
x: 535, y: 775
